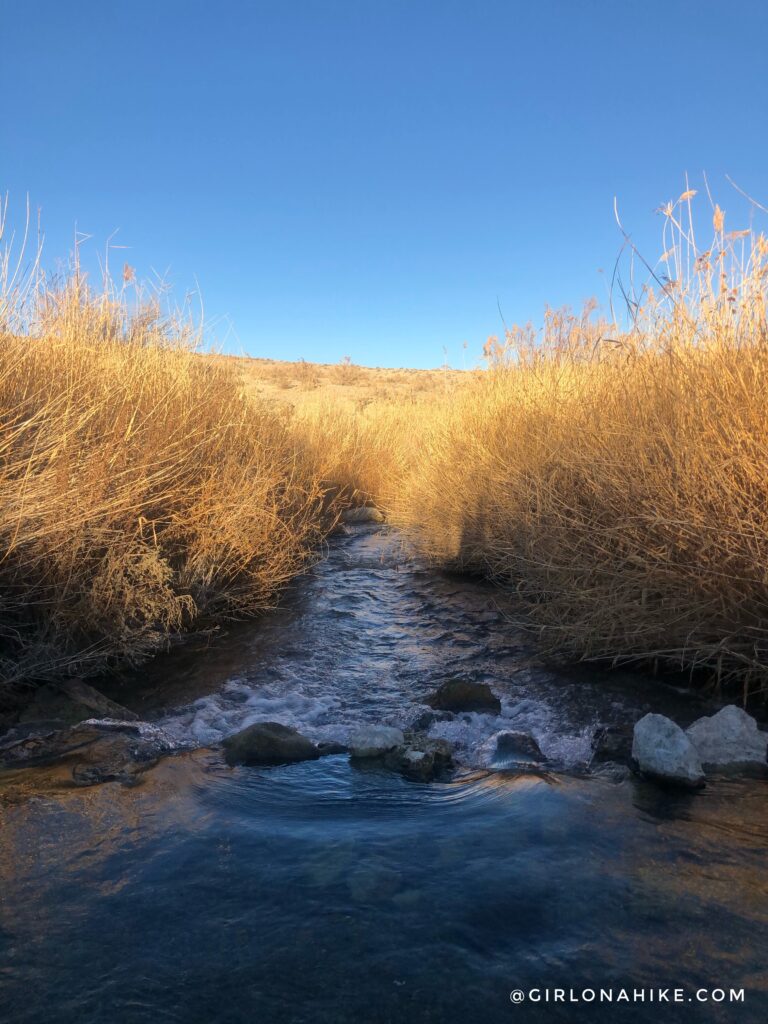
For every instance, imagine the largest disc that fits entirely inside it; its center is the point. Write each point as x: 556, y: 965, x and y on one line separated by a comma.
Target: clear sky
x: 369, y: 177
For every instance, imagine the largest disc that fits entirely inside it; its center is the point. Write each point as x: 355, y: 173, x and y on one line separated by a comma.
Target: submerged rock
x: 729, y: 739
x: 373, y: 879
x: 40, y: 743
x: 362, y: 514
x: 662, y: 751
x: 508, y: 749
x: 374, y: 740
x: 269, y: 743
x: 464, y: 695
x: 25, y: 737
x: 113, y: 757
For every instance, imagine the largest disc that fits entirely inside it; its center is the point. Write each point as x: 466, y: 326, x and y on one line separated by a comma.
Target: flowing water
x: 326, y: 892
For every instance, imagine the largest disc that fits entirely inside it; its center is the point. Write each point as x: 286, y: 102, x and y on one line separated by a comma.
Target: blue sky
x: 349, y: 177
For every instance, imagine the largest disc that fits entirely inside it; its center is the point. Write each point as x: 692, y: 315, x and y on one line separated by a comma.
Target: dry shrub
x: 347, y: 372
x: 307, y: 376
x: 142, y: 492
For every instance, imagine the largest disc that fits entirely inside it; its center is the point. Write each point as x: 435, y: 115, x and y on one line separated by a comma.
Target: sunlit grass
x: 615, y: 476
x: 142, y: 491
x: 617, y: 479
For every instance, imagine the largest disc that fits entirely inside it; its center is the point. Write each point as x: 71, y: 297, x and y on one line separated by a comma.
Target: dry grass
x: 617, y: 479
x: 290, y: 382
x: 142, y: 491
x: 356, y: 423
x: 626, y: 500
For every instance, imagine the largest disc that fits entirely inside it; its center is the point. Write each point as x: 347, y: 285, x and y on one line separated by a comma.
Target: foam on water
x: 210, y: 719
x: 326, y: 718
x: 369, y: 635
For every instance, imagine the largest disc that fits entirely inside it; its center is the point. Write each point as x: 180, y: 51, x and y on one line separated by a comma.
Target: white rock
x: 374, y: 740
x: 362, y: 514
x: 729, y: 739
x: 661, y: 749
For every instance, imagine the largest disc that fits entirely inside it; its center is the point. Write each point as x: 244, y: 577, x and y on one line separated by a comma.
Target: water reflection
x: 318, y: 892
x: 324, y: 893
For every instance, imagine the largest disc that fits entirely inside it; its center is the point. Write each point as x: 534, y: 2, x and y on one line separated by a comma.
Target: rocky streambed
x: 376, y: 804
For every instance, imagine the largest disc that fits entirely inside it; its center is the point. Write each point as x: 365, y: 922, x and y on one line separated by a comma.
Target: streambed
x: 323, y: 892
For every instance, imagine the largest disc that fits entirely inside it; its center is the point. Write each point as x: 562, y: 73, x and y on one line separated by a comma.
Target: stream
x: 330, y: 893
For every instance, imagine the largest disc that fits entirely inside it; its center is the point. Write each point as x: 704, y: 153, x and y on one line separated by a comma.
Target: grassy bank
x: 617, y: 480
x: 623, y: 495
x: 142, y: 491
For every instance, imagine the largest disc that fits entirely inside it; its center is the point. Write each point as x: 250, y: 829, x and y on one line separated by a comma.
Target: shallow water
x: 321, y: 892
x: 366, y: 638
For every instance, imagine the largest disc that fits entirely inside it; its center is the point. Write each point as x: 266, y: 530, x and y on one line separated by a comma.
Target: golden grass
x: 295, y: 383
x: 626, y: 500
x: 142, y: 491
x: 618, y: 481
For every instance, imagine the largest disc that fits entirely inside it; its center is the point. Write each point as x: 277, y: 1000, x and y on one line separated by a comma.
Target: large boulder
x: 81, y: 692
x: 729, y: 739
x: 374, y: 740
x: 269, y: 743
x: 662, y: 751
x: 464, y: 695
x: 510, y: 749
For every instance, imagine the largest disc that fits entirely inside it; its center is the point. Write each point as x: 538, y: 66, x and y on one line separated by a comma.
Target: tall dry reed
x: 615, y: 477
x: 142, y: 492
x: 618, y: 480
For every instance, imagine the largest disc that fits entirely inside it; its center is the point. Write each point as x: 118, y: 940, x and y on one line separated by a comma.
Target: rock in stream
x: 730, y: 739
x: 464, y: 695
x: 374, y: 740
x: 269, y: 743
x: 662, y: 751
